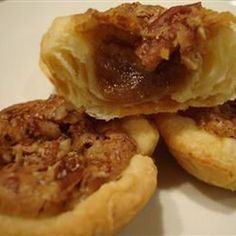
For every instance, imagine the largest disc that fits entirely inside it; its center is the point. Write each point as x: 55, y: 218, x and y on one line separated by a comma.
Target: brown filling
x: 143, y: 52
x: 220, y: 120
x: 52, y: 156
x: 123, y: 78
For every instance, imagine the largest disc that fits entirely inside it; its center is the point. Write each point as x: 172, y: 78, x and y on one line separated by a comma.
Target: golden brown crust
x: 137, y: 44
x: 103, y: 213
x: 206, y: 156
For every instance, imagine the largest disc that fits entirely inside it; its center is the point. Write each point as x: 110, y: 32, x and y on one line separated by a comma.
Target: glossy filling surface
x: 220, y: 120
x: 123, y: 78
x: 52, y: 156
x: 141, y: 53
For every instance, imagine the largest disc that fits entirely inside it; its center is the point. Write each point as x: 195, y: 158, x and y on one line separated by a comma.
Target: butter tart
x: 65, y: 173
x: 203, y: 141
x: 142, y: 59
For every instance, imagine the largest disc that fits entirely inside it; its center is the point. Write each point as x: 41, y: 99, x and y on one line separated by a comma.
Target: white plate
x: 182, y: 205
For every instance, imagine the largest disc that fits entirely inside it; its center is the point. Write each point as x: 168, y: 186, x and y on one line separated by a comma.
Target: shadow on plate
x: 171, y: 175
x: 148, y: 222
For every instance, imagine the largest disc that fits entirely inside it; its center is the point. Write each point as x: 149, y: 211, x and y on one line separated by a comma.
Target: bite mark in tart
x: 57, y: 164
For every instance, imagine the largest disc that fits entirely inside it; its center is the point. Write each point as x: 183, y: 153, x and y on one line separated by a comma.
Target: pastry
x: 203, y: 141
x: 65, y: 173
x: 142, y: 59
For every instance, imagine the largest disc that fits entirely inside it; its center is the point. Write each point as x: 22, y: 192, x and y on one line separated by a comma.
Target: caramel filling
x: 142, y: 53
x: 123, y: 79
x: 220, y: 120
x: 52, y: 156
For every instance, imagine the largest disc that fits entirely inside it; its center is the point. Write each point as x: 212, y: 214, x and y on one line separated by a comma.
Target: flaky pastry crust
x: 142, y: 59
x: 208, y: 156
